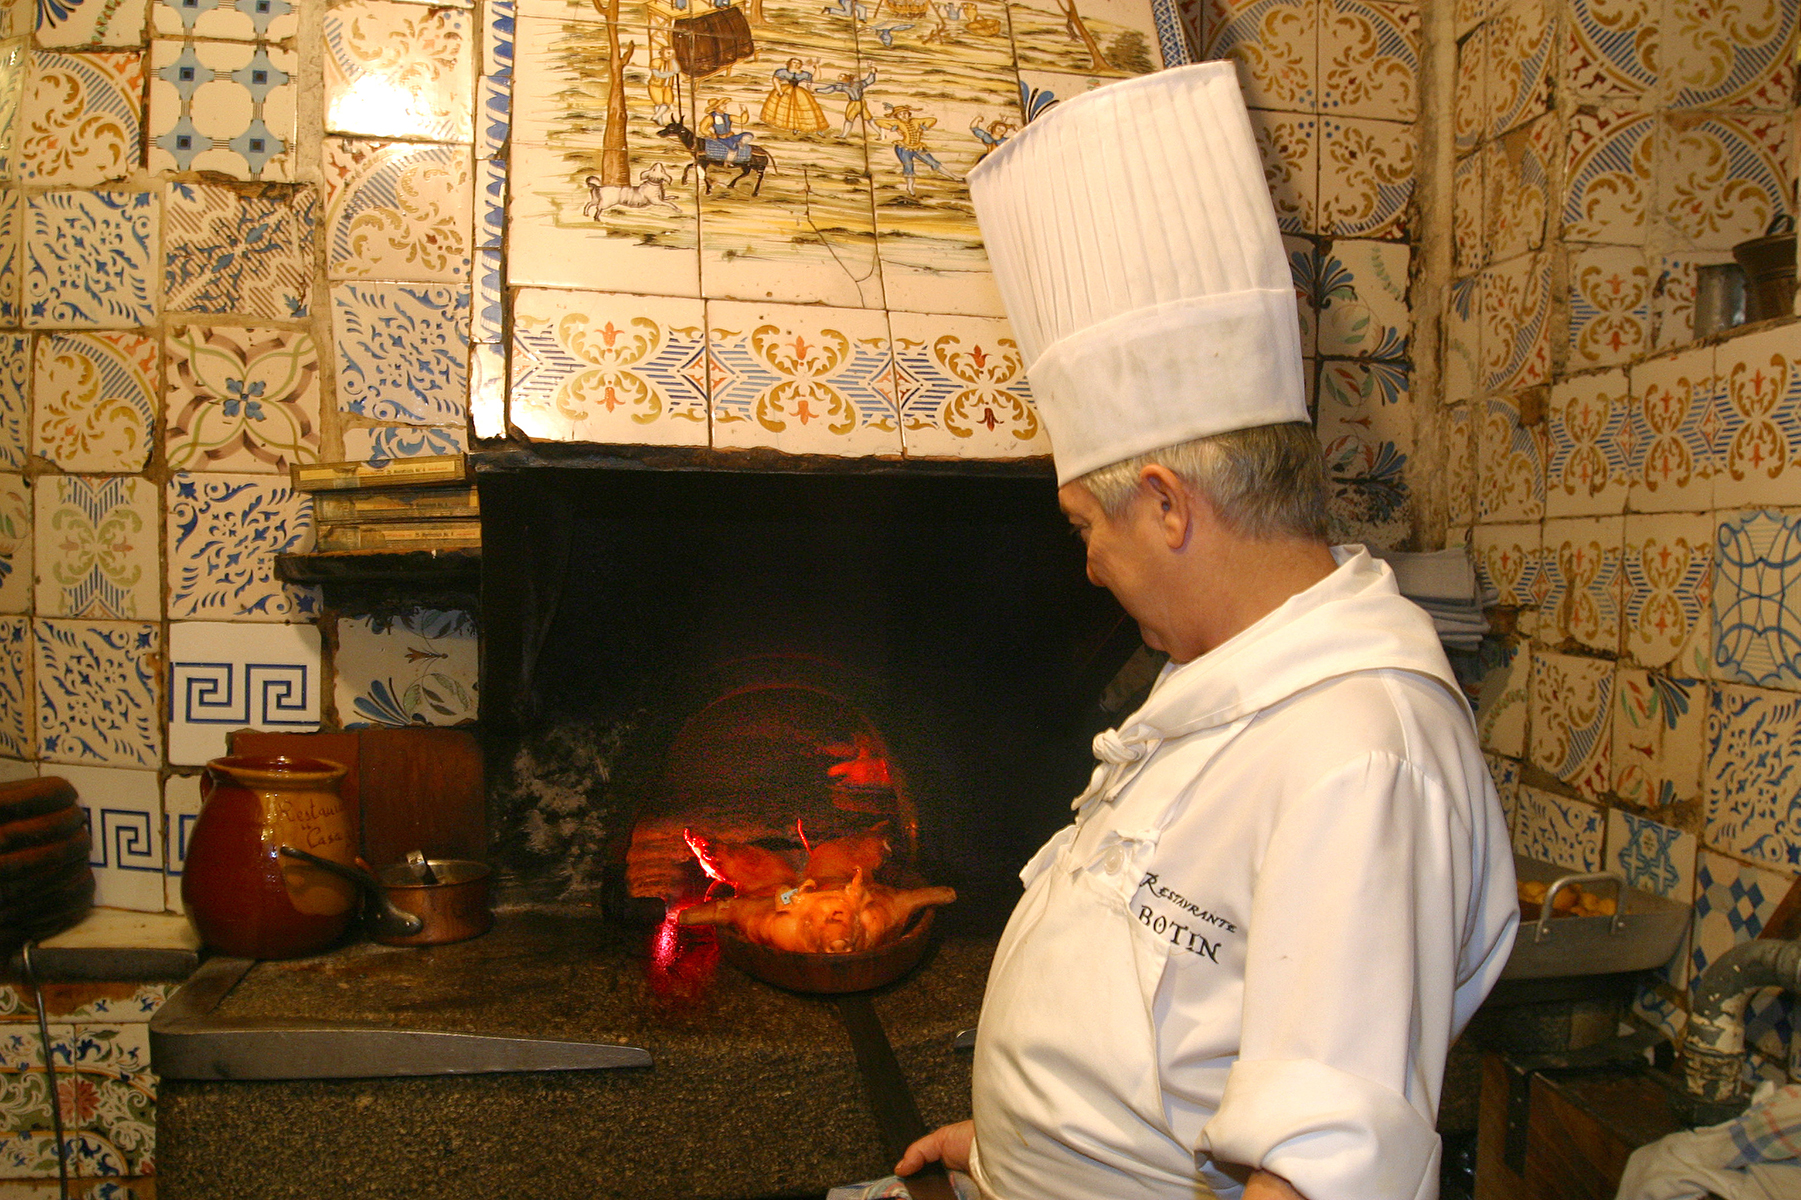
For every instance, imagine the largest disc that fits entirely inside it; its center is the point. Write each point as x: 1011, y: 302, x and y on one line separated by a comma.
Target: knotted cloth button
x: 1114, y: 862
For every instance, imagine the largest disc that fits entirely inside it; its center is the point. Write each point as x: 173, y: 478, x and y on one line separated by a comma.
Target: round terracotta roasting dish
x: 828, y: 973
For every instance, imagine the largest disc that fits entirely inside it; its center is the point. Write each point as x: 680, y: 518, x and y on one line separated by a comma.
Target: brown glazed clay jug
x: 245, y: 898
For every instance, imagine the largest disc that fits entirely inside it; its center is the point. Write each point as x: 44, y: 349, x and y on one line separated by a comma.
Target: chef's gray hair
x: 1265, y: 482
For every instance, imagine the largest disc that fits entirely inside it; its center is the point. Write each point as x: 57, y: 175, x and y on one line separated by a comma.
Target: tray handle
x: 1563, y: 881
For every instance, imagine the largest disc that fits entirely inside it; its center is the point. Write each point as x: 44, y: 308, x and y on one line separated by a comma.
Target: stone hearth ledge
x: 755, y: 1091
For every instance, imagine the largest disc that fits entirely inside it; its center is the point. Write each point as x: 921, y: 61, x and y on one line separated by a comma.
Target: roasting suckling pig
x: 832, y: 863
x: 813, y: 920
x: 750, y: 869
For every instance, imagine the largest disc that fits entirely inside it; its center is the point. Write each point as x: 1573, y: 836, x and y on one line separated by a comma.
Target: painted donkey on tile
x: 758, y: 160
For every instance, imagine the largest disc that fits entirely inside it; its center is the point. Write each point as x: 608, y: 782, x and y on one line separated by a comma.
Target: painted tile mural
x: 417, y: 669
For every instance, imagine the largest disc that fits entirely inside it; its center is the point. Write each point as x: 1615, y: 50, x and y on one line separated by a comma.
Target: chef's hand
x: 948, y: 1144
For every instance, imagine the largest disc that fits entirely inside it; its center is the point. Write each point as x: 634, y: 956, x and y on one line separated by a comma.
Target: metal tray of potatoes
x: 1643, y: 933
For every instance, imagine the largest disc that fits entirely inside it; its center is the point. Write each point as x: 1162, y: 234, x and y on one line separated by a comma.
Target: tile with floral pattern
x: 379, y: 445
x: 398, y: 71
x: 16, y: 544
x: 1611, y: 49
x: 1276, y: 46
x: 1369, y: 59
x: 395, y: 210
x: 223, y: 106
x: 594, y: 367
x: 87, y: 260
x: 1510, y: 462
x: 96, y: 403
x: 1672, y: 436
x: 1668, y: 615
x: 1516, y: 323
x: 230, y: 20
x: 1289, y: 146
x: 80, y: 118
x: 1753, y: 751
x: 1519, y: 64
x: 1469, y: 100
x: 417, y: 669
x: 64, y: 24
x: 125, y: 819
x: 1659, y: 734
x: 224, y: 532
x: 1366, y: 434
x: 1469, y: 231
x: 803, y: 380
x: 403, y: 351
x: 1724, y: 177
x: 1507, y: 562
x: 1759, y: 421
x: 1582, y: 581
x: 1607, y: 176
x: 1571, y: 712
x: 1506, y: 775
x: 1609, y: 306
x: 1554, y: 829
x: 15, y: 399
x: 1516, y: 171
x: 238, y: 675
x: 1463, y: 379
x: 229, y: 251
x: 1729, y: 56
x: 1586, y: 424
x: 962, y: 389
x: 1361, y: 293
x: 1460, y: 469
x: 241, y: 399
x: 1365, y: 177
x: 1757, y: 598
x: 1673, y: 296
x: 97, y: 689
x: 97, y: 548
x: 12, y: 242
x: 18, y: 712
x: 1505, y: 702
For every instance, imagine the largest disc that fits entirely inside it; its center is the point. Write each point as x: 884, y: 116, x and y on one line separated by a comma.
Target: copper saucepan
x: 420, y: 902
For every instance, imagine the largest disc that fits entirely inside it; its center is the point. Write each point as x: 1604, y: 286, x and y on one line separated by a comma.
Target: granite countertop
x: 753, y: 1092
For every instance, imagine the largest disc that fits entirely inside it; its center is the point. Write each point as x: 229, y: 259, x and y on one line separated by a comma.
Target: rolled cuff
x: 1332, y: 1135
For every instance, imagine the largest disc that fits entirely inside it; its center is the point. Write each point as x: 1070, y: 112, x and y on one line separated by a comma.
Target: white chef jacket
x: 1285, y: 893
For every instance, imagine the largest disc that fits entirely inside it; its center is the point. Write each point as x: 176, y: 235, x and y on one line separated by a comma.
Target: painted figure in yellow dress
x: 791, y: 104
x: 909, y: 134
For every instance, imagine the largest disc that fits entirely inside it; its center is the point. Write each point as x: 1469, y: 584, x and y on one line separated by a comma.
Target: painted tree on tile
x: 615, y: 160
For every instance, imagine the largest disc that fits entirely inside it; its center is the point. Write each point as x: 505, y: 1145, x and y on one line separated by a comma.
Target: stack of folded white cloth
x: 1443, y: 582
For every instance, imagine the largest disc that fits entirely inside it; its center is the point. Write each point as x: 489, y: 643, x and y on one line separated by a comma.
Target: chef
x: 1288, y: 885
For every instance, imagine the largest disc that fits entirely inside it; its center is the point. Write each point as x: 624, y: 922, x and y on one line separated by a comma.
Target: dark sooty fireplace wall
x: 949, y: 612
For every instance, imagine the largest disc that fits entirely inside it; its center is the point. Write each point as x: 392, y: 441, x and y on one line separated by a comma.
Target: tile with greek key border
x: 88, y: 260
x: 241, y: 399
x: 1757, y: 598
x: 18, y: 700
x: 1572, y: 710
x: 238, y: 676
x: 1758, y: 413
x: 379, y: 445
x: 1669, y: 616
x: 1753, y: 750
x: 398, y: 71
x: 1609, y: 306
x: 1672, y: 436
x: 1362, y: 293
x: 417, y: 669
x: 1729, y: 56
x: 1276, y: 46
x: 598, y: 367
x: 1586, y: 425
x: 1659, y: 735
x: 1366, y: 172
x: 396, y: 210
x: 97, y: 548
x: 229, y: 20
x: 1288, y: 143
x: 1612, y: 50
x: 403, y: 351
x: 1582, y: 581
x: 227, y: 251
x: 80, y: 118
x: 15, y: 399
x: 800, y: 379
x: 96, y: 403
x: 181, y: 808
x: 1608, y: 176
x: 1554, y: 829
x: 125, y: 818
x: 223, y: 106
x: 16, y: 544
x: 1505, y: 702
x: 1704, y: 158
x: 963, y: 390
x: 224, y: 532
x: 1520, y: 41
x: 1507, y: 562
x: 97, y: 688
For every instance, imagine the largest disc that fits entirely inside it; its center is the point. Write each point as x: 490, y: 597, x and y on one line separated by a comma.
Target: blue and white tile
x: 403, y: 351
x: 599, y: 367
x: 961, y: 383
x: 1757, y: 598
x: 1659, y: 738
x: 97, y: 548
x: 88, y: 260
x: 487, y: 322
x: 96, y: 400
x: 181, y: 808
x: 80, y: 118
x: 492, y: 130
x: 15, y: 399
x: 1361, y: 293
x: 488, y: 390
x: 379, y: 445
x: 1560, y: 831
x: 1732, y: 902
x: 497, y: 37
x: 1655, y: 1008
x: 1506, y: 774
x: 229, y: 107
x: 224, y: 534
x: 227, y: 20
x: 12, y: 252
x: 247, y: 255
x: 1506, y: 700
x: 65, y: 24
x: 125, y: 818
x: 1753, y: 758
x: 1572, y: 709
x: 419, y: 668
x: 17, y: 542
x: 18, y: 702
x: 398, y: 210
x: 238, y: 676
x: 397, y: 70
x: 98, y: 690
x: 1651, y: 856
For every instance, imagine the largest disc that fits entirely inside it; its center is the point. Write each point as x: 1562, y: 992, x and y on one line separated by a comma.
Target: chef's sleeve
x: 1351, y: 961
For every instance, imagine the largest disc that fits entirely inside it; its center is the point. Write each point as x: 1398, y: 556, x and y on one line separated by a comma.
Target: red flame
x: 682, y: 958
x: 865, y: 768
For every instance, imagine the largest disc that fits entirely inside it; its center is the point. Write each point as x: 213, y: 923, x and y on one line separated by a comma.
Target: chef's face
x: 1126, y: 554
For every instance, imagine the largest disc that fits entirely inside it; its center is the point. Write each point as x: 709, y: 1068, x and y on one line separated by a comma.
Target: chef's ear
x: 1175, y: 504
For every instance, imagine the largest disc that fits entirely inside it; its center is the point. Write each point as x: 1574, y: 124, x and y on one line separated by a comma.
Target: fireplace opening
x: 775, y: 658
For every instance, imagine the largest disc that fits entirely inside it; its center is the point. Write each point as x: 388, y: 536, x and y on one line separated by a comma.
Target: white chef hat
x: 1132, y: 236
